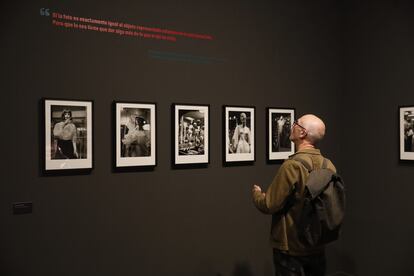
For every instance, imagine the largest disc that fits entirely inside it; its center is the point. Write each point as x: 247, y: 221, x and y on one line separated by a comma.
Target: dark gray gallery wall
x: 378, y: 236
x: 164, y: 222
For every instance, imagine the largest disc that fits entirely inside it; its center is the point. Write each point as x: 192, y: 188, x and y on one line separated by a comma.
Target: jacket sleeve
x: 281, y: 187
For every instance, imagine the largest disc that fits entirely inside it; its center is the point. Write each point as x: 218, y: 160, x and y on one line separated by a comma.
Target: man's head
x: 243, y: 117
x: 308, y: 130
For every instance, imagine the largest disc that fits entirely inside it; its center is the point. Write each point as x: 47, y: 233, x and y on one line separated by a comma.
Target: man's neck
x: 303, y: 146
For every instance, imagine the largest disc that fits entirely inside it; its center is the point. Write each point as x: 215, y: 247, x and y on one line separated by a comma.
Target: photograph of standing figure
x: 65, y: 137
x: 239, y: 134
x: 68, y: 134
x: 135, y: 134
x: 279, y: 124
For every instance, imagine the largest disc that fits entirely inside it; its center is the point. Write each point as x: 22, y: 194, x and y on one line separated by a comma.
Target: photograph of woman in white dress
x: 239, y: 132
x: 135, y: 132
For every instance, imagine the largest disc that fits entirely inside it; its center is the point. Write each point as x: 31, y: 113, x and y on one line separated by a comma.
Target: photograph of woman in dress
x: 135, y: 135
x: 239, y: 135
x: 135, y: 139
x: 240, y: 140
x: 65, y: 137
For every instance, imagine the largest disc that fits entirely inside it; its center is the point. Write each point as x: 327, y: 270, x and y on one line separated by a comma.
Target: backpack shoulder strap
x: 318, y: 179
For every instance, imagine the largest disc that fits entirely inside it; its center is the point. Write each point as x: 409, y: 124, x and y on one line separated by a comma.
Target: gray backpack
x: 324, y: 206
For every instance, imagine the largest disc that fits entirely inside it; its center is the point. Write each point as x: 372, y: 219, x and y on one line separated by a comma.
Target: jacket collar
x: 307, y: 151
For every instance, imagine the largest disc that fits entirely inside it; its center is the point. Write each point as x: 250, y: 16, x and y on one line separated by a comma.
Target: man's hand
x: 259, y: 198
x: 256, y: 189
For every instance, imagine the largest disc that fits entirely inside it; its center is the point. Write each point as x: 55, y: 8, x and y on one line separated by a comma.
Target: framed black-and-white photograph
x: 239, y: 135
x: 190, y: 135
x: 135, y: 135
x: 406, y: 132
x: 279, y: 121
x: 68, y: 134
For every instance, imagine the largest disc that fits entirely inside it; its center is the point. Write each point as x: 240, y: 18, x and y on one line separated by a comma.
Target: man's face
x: 292, y: 133
x: 243, y: 117
x: 295, y: 131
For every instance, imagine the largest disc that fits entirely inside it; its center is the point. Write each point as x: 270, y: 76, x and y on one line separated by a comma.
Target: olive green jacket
x: 289, y: 186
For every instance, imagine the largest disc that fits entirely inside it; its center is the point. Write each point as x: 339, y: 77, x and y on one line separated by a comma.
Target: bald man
x: 284, y: 201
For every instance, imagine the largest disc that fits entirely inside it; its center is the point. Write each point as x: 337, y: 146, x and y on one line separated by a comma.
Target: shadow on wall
x: 242, y: 269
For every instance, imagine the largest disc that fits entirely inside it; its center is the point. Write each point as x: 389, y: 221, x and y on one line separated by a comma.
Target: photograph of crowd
x: 280, y: 121
x: 190, y: 132
x: 239, y: 134
x: 408, y: 131
x: 68, y: 137
x: 135, y: 134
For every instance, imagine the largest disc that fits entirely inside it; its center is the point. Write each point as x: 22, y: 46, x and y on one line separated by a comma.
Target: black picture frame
x: 190, y: 135
x: 279, y: 121
x: 134, y: 136
x: 406, y: 133
x: 67, y: 136
x: 239, y: 151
